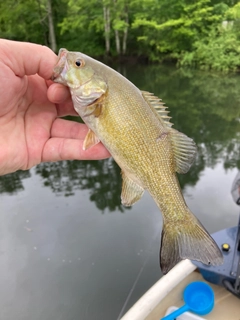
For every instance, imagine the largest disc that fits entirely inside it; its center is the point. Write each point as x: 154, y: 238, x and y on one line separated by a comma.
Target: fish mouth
x: 60, y: 69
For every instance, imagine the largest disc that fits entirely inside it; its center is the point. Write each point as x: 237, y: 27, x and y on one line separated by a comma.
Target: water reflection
x: 12, y: 183
x: 204, y: 106
x: 102, y: 178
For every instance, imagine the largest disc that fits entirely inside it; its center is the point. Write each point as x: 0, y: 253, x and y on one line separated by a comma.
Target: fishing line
x: 138, y: 276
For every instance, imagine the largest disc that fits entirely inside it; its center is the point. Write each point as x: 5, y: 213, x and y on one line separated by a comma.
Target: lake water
x: 69, y: 250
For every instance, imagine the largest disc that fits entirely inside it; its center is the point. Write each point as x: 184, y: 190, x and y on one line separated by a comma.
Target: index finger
x: 60, y: 96
x: 27, y: 58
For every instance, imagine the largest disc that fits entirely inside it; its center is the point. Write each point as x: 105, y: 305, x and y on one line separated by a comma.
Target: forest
x: 203, y: 34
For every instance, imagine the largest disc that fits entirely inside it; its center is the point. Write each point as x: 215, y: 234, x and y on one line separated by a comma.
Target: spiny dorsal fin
x: 157, y: 105
x: 184, y: 149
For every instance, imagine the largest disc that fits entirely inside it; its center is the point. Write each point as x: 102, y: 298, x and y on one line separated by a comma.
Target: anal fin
x: 131, y: 191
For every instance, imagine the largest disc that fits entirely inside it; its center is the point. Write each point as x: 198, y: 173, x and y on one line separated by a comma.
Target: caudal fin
x: 187, y: 241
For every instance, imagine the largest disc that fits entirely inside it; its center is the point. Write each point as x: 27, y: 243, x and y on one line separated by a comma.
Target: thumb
x: 27, y: 58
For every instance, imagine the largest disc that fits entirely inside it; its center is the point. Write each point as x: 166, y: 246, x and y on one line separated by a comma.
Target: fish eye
x: 78, y: 63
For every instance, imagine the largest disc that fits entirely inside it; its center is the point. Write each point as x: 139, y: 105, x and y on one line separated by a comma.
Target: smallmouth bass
x: 134, y: 126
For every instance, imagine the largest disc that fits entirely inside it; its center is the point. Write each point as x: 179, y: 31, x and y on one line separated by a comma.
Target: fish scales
x: 145, y: 146
x: 119, y: 122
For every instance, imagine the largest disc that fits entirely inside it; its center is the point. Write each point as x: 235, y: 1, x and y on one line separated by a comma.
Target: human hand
x: 30, y: 106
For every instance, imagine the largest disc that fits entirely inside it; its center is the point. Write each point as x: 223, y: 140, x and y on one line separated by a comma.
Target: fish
x: 135, y: 128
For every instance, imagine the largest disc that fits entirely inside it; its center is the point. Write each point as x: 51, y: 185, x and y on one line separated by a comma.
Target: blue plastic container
x: 198, y: 297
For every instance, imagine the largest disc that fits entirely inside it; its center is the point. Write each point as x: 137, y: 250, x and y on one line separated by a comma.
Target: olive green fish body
x: 132, y: 132
x: 145, y: 146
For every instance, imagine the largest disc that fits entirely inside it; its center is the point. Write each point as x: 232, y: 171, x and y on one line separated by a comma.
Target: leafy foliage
x: 202, y: 33
x: 223, y: 45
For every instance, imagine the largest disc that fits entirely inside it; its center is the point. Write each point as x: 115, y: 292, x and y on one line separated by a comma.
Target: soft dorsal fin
x: 157, y: 106
x: 184, y: 149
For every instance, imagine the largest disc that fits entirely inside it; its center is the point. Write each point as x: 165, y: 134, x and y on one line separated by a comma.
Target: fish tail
x: 187, y: 239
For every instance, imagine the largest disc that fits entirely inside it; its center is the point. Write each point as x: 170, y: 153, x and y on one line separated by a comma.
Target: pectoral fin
x: 90, y: 140
x: 184, y: 149
x: 131, y: 191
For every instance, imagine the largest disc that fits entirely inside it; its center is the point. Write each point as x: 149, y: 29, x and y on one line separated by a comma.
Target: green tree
x: 82, y: 27
x: 220, y: 48
x: 174, y: 31
x: 30, y: 20
x: 202, y: 33
x: 121, y: 25
x: 98, y: 22
x: 20, y: 21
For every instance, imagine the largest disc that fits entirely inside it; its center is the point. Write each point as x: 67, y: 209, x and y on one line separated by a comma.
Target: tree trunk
x: 106, y: 16
x: 117, y: 40
x: 52, y: 36
x: 42, y: 21
x: 125, y: 34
